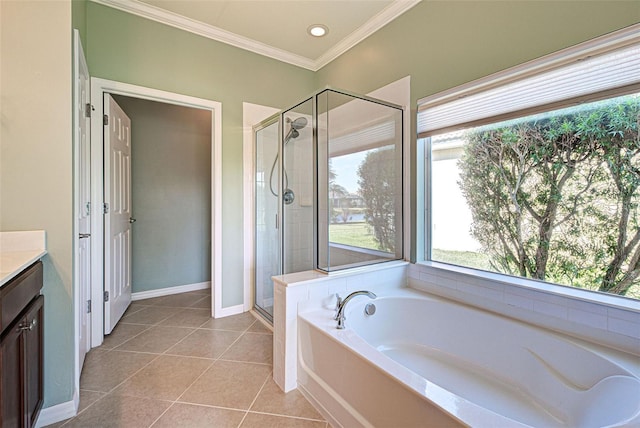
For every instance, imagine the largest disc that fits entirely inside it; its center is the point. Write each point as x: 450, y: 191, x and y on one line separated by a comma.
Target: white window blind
x: 568, y: 75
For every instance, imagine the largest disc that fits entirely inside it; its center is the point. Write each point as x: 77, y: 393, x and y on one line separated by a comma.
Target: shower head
x: 298, y: 123
x: 295, y: 125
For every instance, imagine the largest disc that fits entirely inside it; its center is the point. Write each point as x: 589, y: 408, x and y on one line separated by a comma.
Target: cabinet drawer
x: 16, y: 295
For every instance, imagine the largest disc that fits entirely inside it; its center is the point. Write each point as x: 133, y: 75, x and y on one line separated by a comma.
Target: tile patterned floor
x: 169, y: 364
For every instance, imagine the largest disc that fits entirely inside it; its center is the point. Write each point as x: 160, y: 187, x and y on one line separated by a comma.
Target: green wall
x: 79, y: 19
x: 443, y: 44
x: 130, y: 49
x: 171, y: 194
x: 440, y: 44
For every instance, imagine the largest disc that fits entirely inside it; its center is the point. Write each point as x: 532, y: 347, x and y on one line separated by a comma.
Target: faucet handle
x: 338, y: 303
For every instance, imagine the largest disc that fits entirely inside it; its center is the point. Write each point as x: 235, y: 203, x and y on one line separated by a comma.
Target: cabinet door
x: 11, y: 378
x: 33, y: 345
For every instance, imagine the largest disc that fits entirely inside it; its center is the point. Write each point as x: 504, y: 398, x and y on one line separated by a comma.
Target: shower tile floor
x: 169, y: 364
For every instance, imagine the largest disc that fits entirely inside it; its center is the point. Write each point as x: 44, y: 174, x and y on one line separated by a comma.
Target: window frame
x: 423, y: 236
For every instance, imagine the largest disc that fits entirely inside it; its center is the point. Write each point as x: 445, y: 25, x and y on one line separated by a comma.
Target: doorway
x: 170, y: 193
x: 100, y: 87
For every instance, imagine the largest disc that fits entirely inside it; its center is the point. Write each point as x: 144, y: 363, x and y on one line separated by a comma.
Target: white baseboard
x: 170, y: 290
x: 59, y: 412
x: 230, y: 310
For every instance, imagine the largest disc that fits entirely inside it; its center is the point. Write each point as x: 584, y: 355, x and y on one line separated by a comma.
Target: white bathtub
x: 421, y: 361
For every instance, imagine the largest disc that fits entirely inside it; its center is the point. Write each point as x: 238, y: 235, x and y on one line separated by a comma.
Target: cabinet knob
x: 28, y: 326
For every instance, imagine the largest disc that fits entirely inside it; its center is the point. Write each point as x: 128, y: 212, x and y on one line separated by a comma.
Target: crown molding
x: 384, y: 17
x: 175, y: 20
x: 162, y: 16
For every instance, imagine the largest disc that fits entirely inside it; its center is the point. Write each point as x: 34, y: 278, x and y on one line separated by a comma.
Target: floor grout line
x: 178, y: 342
x: 281, y: 415
x: 132, y: 337
x: 255, y: 398
x: 205, y: 370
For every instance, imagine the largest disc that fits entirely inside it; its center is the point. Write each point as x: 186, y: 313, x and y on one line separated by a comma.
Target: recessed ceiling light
x: 318, y: 30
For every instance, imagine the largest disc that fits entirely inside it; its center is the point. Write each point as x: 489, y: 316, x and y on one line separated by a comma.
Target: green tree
x: 556, y: 198
x: 377, y: 187
x: 620, y: 146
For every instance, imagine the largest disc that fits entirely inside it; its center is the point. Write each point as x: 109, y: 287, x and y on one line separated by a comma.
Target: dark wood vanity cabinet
x: 21, y: 348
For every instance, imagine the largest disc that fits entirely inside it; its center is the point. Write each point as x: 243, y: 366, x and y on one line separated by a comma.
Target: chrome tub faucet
x: 342, y: 303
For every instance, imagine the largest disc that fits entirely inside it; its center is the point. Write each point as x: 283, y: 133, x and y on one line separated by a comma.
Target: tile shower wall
x: 612, y: 326
x: 298, y: 216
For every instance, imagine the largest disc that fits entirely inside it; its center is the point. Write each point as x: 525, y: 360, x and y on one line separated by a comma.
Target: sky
x: 346, y: 169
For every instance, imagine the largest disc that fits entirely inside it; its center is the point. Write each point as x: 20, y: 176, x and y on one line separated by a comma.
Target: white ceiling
x: 275, y: 28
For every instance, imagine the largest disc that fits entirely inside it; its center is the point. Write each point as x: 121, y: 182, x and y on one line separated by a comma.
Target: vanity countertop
x: 18, y: 250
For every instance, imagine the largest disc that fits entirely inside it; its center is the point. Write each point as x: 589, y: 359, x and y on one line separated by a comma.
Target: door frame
x: 80, y: 69
x: 98, y: 88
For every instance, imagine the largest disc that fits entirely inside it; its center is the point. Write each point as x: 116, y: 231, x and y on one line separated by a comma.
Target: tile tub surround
x: 313, y: 290
x: 18, y: 250
x: 604, y: 323
x: 167, y: 365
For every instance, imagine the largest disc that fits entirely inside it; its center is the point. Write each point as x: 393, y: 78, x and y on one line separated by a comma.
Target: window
x: 539, y: 176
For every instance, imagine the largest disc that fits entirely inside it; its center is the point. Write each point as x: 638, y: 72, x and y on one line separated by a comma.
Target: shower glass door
x: 267, y: 239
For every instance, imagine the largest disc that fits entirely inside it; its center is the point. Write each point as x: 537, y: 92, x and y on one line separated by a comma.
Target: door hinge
x: 105, y: 120
x: 88, y: 306
x: 105, y: 208
x: 87, y: 110
x: 106, y: 296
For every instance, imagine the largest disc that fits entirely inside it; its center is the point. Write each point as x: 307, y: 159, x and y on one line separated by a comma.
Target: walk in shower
x: 328, y: 188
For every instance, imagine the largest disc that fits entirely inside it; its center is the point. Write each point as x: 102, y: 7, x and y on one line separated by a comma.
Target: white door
x: 117, y: 221
x: 82, y: 154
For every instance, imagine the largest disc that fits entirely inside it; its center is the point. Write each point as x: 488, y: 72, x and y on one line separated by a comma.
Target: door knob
x: 84, y: 235
x: 132, y: 220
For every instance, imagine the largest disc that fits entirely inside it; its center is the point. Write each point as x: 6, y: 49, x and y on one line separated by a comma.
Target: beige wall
x: 36, y: 161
